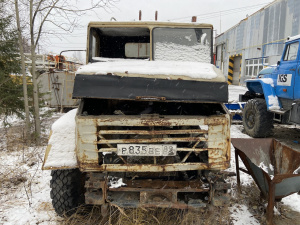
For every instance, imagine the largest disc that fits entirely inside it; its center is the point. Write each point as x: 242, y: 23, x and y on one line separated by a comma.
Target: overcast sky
x: 223, y: 14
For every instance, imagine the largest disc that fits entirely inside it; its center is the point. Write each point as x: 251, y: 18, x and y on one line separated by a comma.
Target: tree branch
x: 6, y: 80
x: 42, y: 23
x: 37, y: 9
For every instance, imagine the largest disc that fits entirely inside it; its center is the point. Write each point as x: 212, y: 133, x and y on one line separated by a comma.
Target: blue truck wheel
x: 257, y: 121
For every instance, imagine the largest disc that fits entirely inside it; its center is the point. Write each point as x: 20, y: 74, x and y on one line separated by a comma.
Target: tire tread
x: 67, y: 192
x: 263, y: 124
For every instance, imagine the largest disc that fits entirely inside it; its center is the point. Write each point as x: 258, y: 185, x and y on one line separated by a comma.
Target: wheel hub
x: 250, y: 119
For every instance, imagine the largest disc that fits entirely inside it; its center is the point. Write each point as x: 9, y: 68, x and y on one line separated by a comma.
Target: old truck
x: 151, y: 129
x: 275, y: 94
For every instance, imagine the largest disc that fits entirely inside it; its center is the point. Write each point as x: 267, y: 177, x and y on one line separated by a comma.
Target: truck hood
x: 173, y: 70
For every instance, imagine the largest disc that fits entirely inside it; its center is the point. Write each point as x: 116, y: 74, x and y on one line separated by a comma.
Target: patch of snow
x: 273, y: 102
x: 203, y: 127
x: 241, y: 215
x: 104, y: 153
x: 268, y: 81
x: 203, y: 38
x: 263, y: 167
x: 62, y: 141
x: 235, y: 111
x: 234, y: 93
x: 297, y: 171
x: 189, y: 38
x: 293, y: 38
x: 9, y: 120
x: 190, y: 69
x: 115, y: 182
x: 293, y: 201
x: 167, y: 51
x: 276, y: 212
x: 236, y: 132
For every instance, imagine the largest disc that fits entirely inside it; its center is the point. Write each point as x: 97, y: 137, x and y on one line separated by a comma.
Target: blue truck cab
x: 274, y: 94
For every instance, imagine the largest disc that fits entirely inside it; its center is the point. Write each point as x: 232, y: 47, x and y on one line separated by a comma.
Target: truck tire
x: 257, y: 121
x: 67, y: 191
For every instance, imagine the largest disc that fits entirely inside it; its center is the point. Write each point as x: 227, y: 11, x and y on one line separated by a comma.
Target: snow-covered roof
x: 155, y: 69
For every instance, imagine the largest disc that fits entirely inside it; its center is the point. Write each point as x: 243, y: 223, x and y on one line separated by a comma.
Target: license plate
x: 146, y: 150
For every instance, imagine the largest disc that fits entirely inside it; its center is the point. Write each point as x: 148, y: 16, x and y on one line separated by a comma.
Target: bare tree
x: 27, y: 119
x: 58, y: 13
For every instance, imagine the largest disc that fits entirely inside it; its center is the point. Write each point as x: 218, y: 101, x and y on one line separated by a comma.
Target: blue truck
x: 275, y: 94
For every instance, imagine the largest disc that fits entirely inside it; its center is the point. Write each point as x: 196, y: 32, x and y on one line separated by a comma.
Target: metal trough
x: 274, y: 167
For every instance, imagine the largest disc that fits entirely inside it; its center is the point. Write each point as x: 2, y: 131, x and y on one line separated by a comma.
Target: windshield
x: 117, y: 43
x: 182, y: 44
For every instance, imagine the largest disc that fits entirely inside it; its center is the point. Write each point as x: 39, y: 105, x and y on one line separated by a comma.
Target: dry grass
x: 139, y: 216
x: 14, y: 138
x: 16, y: 159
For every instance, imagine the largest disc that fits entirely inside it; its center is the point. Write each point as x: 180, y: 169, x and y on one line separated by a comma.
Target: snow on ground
x: 236, y: 132
x: 24, y: 187
x: 234, y: 92
x: 292, y: 201
x: 25, y: 191
x: 10, y: 119
x: 241, y: 215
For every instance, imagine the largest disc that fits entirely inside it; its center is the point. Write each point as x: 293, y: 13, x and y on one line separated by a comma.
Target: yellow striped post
x: 230, y: 70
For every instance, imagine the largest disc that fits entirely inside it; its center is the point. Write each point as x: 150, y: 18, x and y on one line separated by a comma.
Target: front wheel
x: 257, y: 121
x: 67, y: 191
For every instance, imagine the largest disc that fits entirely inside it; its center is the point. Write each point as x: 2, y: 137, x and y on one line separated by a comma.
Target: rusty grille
x: 191, y: 141
x: 202, y: 142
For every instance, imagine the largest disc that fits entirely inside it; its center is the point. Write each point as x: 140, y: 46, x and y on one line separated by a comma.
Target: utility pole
x: 220, y: 22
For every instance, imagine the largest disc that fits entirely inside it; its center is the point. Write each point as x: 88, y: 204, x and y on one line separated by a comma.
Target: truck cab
x: 151, y: 118
x: 275, y: 94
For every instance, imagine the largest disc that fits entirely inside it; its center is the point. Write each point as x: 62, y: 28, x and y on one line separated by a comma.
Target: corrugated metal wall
x: 253, y: 36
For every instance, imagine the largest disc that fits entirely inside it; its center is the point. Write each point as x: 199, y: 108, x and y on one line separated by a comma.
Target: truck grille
x: 187, y: 139
x: 202, y: 142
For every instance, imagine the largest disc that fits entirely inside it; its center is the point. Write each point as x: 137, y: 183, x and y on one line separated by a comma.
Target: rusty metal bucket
x: 273, y: 166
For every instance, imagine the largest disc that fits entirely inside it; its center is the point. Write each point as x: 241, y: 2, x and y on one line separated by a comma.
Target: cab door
x: 297, y: 77
x: 288, y: 72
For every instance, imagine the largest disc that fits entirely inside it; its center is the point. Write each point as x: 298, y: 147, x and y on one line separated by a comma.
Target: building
x: 257, y: 41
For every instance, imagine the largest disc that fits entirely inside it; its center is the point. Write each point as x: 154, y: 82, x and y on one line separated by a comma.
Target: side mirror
x: 278, y: 63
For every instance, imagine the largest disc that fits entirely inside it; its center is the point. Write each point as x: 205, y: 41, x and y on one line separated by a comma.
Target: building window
x: 253, y: 66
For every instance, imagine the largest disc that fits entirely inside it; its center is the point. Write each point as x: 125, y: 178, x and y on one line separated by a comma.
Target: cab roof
x: 150, y: 24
